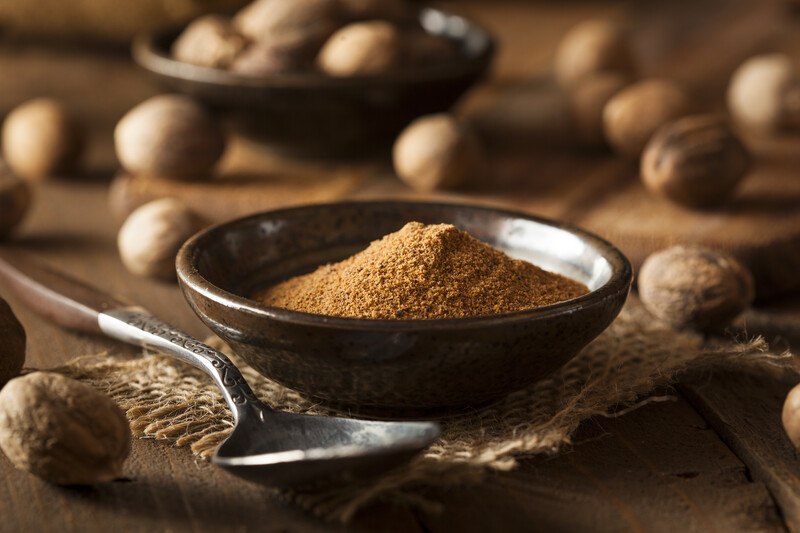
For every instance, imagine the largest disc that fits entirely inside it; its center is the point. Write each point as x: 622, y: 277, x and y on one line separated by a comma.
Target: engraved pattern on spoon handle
x: 137, y: 326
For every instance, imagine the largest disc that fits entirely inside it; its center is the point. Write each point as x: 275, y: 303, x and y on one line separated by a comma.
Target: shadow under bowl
x: 310, y: 113
x: 396, y: 368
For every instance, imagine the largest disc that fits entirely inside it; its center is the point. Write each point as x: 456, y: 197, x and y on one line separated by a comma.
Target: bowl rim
x: 191, y: 280
x: 148, y: 54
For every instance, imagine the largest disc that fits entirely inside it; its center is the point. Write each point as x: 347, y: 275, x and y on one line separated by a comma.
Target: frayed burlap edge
x: 166, y: 399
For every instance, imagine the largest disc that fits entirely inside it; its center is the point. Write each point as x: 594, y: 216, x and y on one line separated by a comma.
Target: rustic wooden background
x: 713, y: 458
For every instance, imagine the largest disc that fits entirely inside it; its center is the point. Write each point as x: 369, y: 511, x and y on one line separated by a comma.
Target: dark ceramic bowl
x: 396, y: 367
x: 311, y: 113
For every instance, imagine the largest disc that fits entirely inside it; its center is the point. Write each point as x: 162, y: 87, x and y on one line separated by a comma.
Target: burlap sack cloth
x: 168, y: 400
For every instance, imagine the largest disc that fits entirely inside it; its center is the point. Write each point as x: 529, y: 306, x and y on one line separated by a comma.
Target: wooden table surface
x: 711, y: 458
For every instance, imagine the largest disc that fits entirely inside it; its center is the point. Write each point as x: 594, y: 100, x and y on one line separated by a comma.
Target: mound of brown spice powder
x: 423, y: 272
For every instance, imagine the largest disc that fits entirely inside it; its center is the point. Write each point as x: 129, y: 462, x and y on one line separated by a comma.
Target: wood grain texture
x: 235, y: 196
x: 693, y: 483
x: 744, y: 407
x: 166, y: 490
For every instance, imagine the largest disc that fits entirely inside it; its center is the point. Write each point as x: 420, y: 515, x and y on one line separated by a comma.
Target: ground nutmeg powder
x: 423, y: 272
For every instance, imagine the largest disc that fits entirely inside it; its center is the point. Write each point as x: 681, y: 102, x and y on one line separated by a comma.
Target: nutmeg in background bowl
x: 311, y: 113
x: 396, y: 367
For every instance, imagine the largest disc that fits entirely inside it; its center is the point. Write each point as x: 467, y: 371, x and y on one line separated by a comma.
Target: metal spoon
x: 267, y: 446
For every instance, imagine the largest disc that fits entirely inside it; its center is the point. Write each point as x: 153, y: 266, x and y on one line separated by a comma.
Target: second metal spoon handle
x: 136, y: 326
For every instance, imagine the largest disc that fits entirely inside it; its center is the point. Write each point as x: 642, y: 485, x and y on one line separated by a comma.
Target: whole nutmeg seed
x: 591, y: 47
x: 587, y: 99
x: 310, y: 21
x: 361, y: 48
x: 764, y: 94
x: 41, y: 139
x: 209, y: 41
x: 62, y: 430
x: 152, y: 234
x: 790, y: 416
x: 12, y: 349
x: 696, y: 161
x: 695, y: 287
x: 437, y: 152
x: 170, y: 136
x: 632, y: 116
x: 15, y: 200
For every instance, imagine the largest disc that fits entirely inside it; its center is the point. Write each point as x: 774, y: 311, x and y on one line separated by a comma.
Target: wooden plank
x: 237, y: 195
x: 744, y: 407
x: 660, y: 468
x: 167, y: 490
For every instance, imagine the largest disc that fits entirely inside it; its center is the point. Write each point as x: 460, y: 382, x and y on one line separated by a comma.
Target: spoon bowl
x: 277, y: 446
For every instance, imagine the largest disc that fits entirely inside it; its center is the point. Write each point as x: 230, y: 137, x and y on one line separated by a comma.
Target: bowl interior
x: 241, y: 257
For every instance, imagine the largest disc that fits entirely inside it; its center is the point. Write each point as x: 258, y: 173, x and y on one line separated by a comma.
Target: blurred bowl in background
x: 310, y: 113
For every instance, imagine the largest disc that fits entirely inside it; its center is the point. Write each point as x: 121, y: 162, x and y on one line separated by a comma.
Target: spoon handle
x: 136, y: 326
